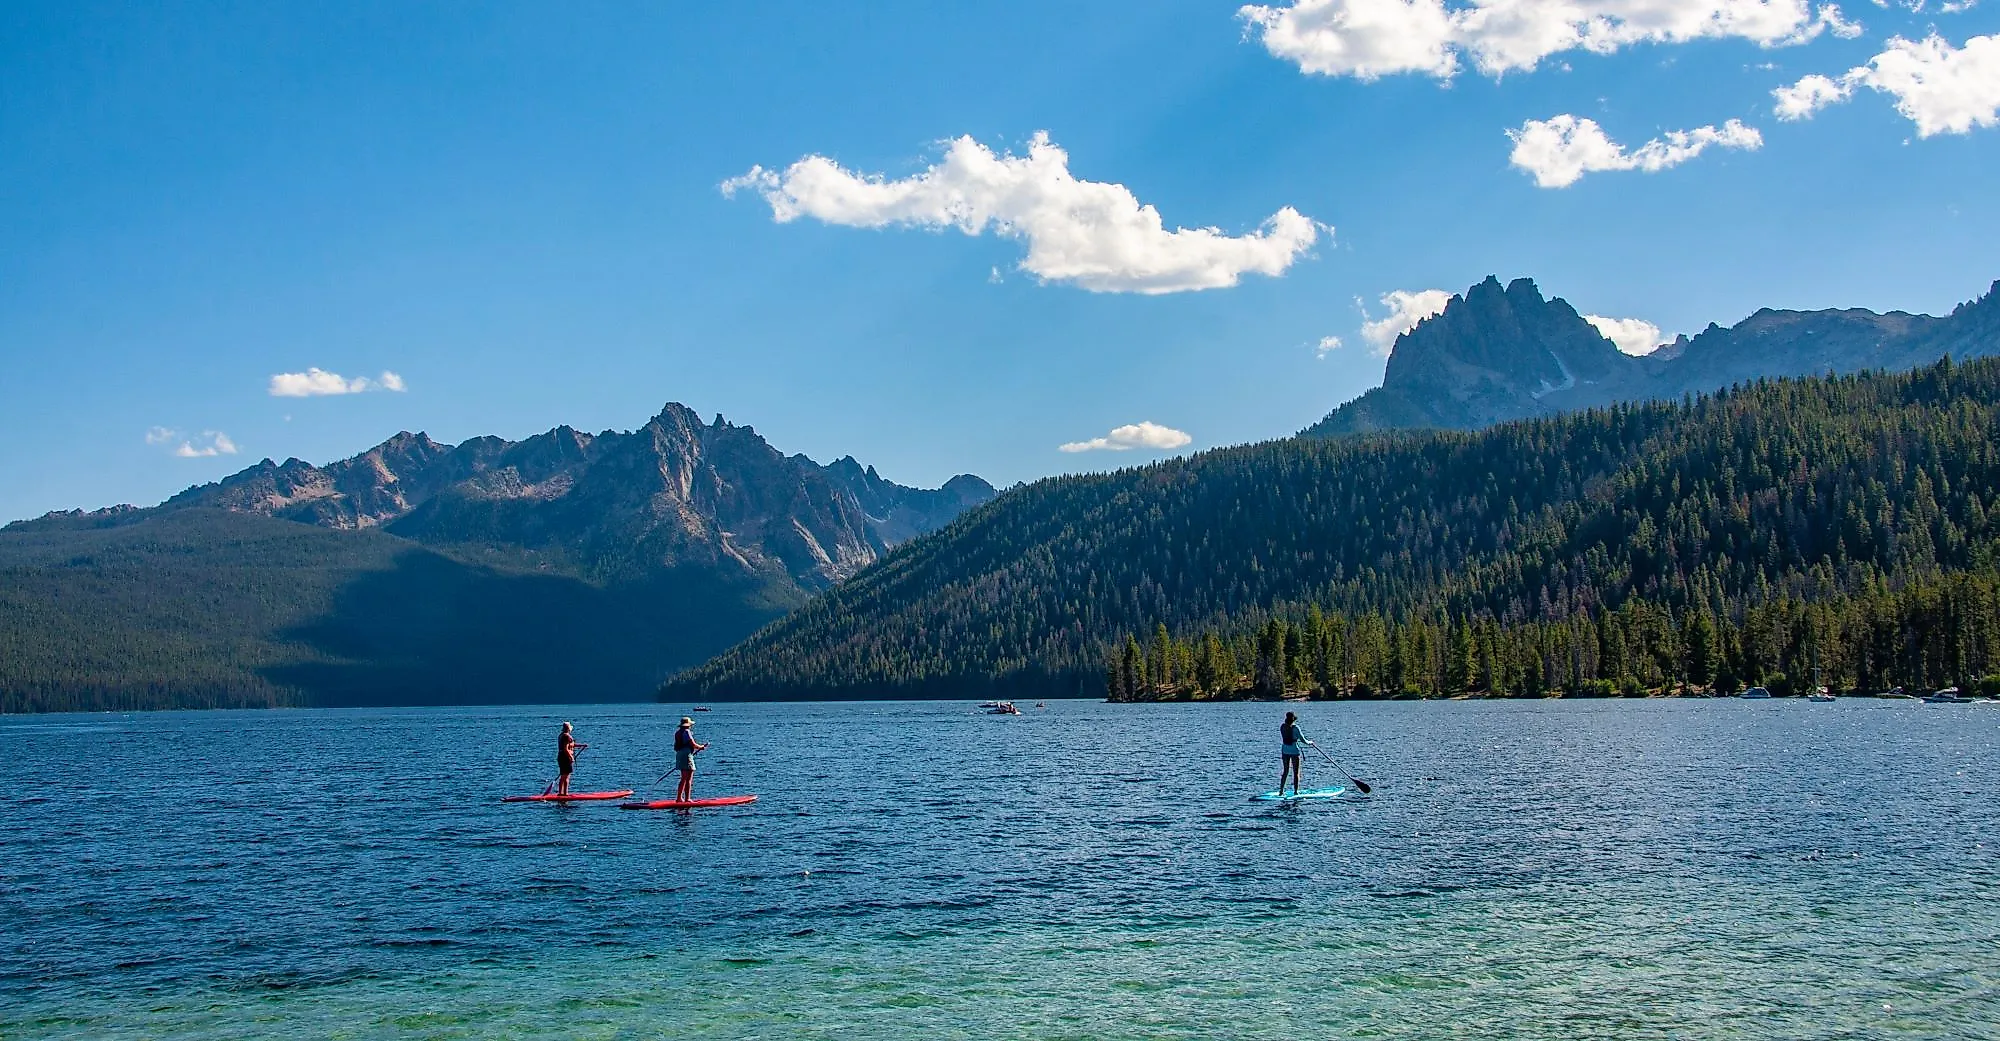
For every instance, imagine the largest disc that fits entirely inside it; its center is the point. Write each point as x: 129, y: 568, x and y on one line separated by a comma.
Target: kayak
x: 571, y: 797
x: 689, y: 804
x: 1310, y: 793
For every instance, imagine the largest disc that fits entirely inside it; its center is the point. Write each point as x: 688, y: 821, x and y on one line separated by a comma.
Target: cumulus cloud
x: 1136, y: 435
x: 207, y: 443
x: 317, y: 382
x: 1941, y: 88
x: 1809, y: 95
x: 1092, y: 234
x: 1631, y: 335
x: 1558, y: 151
x: 1327, y: 343
x: 1406, y: 309
x: 1368, y: 39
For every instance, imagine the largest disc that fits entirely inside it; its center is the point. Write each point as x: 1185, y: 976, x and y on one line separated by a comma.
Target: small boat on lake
x: 1820, y: 695
x: 1896, y: 694
x: 1002, y: 708
x: 1947, y: 696
x: 1755, y: 694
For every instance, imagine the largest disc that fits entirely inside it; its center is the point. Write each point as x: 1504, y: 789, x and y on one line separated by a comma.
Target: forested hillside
x: 203, y: 608
x: 1808, y: 490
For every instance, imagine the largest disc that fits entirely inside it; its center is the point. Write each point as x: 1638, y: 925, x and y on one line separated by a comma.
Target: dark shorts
x: 565, y: 764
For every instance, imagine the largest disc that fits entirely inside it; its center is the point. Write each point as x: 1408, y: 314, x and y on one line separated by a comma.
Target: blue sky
x: 517, y: 210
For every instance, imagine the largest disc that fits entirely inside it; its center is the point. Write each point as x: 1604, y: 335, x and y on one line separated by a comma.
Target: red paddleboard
x: 690, y: 804
x: 571, y: 797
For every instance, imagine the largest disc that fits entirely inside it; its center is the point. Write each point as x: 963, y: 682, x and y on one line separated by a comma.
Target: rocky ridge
x: 675, y: 493
x: 1500, y: 353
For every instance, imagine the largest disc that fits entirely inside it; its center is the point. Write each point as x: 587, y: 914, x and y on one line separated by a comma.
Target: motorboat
x: 1896, y: 694
x: 1947, y: 696
x: 1003, y: 708
x: 1820, y: 694
x: 1755, y: 694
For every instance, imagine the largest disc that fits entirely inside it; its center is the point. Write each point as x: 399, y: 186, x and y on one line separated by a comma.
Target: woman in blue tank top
x: 1291, y: 737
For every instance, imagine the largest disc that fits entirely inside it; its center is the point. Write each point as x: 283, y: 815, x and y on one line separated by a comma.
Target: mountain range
x: 420, y: 571
x: 1508, y: 468
x: 1496, y: 354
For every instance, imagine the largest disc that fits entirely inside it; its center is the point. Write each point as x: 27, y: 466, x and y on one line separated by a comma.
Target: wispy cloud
x: 1559, y: 150
x: 1092, y: 234
x: 317, y: 382
x: 205, y: 444
x: 1941, y: 88
x: 160, y: 435
x: 1136, y: 435
x: 1369, y: 39
x: 1326, y: 344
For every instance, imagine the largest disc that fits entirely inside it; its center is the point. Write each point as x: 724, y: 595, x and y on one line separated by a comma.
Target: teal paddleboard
x: 1310, y: 793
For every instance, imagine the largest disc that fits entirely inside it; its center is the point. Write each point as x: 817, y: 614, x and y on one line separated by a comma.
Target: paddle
x: 1359, y: 784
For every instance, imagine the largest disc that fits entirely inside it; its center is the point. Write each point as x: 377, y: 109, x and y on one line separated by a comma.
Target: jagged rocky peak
x: 676, y: 492
x: 1511, y: 332
x: 1498, y: 353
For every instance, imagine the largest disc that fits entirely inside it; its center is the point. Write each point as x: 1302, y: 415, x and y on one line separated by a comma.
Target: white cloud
x: 1632, y: 335
x: 1941, y: 88
x: 1093, y: 234
x: 207, y: 443
x: 1327, y: 343
x: 160, y: 435
x: 1558, y: 151
x: 1406, y: 309
x: 1368, y: 39
x: 1136, y: 435
x: 317, y: 382
x: 1809, y: 95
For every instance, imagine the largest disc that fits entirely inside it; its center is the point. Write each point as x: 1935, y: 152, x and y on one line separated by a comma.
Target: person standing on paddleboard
x: 566, y: 750
x: 685, y: 746
x: 1290, y: 754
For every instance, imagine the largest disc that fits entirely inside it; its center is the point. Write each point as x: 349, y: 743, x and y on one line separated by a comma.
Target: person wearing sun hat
x: 685, y: 746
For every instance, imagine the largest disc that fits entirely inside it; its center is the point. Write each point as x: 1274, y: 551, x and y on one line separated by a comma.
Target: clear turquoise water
x: 1534, y: 870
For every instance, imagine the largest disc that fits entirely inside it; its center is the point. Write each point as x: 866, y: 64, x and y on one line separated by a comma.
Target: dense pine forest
x: 204, y: 608
x: 1838, y: 524
x: 1926, y: 634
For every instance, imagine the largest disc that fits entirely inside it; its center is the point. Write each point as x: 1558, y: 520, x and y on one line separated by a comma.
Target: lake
x: 1550, y: 869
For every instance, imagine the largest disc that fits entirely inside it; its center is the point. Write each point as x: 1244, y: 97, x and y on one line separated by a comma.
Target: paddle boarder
x: 566, y: 750
x: 685, y: 746
x: 1290, y: 753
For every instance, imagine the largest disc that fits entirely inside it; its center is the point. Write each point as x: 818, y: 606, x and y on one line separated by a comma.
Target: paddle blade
x: 1362, y: 785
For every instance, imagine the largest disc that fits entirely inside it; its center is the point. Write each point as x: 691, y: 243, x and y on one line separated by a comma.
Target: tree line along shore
x: 1926, y: 635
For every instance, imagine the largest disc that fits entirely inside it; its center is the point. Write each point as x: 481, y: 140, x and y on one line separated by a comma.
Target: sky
x: 1006, y: 239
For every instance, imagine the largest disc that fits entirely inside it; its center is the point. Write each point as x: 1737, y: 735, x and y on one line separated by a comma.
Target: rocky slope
x: 677, y: 492
x: 1504, y: 353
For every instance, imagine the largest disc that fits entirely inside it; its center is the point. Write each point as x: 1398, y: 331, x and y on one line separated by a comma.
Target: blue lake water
x: 1627, y: 869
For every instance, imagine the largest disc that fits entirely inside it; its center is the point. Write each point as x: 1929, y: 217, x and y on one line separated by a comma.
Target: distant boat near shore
x: 1755, y: 694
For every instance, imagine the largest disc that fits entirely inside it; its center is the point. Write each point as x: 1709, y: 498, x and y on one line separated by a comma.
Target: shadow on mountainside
x: 433, y: 630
